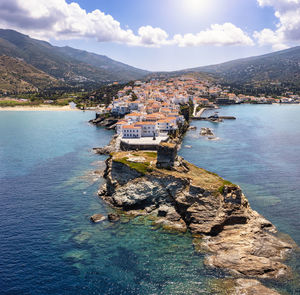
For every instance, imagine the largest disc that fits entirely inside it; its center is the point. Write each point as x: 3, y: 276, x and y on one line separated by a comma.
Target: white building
x: 134, y: 117
x: 120, y: 108
x: 131, y: 131
x: 148, y: 128
x: 166, y: 124
x: 119, y: 126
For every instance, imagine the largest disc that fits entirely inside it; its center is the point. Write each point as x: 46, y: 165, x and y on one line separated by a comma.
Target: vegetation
x: 269, y: 74
x: 199, y: 107
x: 103, y: 95
x: 141, y: 167
x: 225, y: 182
x: 187, y: 110
x: 200, y: 177
x: 14, y: 103
x: 16, y: 76
x: 151, y: 154
x: 64, y: 67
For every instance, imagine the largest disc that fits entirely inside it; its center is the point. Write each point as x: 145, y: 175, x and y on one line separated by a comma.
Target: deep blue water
x: 48, y: 192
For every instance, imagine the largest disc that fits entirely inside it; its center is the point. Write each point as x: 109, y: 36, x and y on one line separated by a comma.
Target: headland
x: 180, y: 197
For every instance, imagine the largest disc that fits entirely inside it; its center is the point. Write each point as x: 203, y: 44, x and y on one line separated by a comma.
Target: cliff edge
x: 181, y: 196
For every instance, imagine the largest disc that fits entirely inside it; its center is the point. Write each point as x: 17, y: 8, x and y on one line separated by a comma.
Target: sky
x: 160, y: 35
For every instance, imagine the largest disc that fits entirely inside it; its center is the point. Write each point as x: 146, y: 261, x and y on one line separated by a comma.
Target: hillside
x: 17, y: 76
x: 70, y: 65
x: 278, y: 69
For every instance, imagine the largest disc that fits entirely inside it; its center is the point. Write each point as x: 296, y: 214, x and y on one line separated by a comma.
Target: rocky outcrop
x: 103, y: 120
x: 112, y: 217
x: 250, y: 287
x: 216, y: 211
x: 205, y: 131
x: 113, y: 146
x: 97, y: 218
x: 240, y: 287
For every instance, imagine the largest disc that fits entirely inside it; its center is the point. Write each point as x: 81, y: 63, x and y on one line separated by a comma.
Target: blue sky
x: 160, y: 34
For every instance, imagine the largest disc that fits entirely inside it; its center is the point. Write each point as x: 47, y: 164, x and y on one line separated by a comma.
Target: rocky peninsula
x: 180, y: 196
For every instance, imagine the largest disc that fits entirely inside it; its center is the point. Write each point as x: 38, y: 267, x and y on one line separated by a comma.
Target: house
x: 166, y: 124
x: 120, y: 108
x: 148, y: 128
x: 131, y: 131
x: 153, y: 117
x: 119, y: 126
x: 133, y: 105
x: 134, y: 117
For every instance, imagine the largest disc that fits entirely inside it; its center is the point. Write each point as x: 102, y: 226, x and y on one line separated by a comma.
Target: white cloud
x: 267, y: 36
x: 288, y: 28
x: 152, y: 36
x: 226, y: 34
x: 57, y: 19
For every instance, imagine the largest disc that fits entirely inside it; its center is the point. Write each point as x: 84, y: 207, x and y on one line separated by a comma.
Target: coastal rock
x: 113, y: 146
x: 104, y: 121
x: 104, y: 150
x: 205, y: 131
x: 192, y: 128
x: 112, y: 217
x: 236, y: 237
x: 97, y: 218
x: 240, y: 287
x: 251, y: 287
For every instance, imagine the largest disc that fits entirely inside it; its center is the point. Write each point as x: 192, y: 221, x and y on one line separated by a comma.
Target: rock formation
x: 97, y: 218
x: 240, y: 287
x: 112, y: 217
x: 181, y: 196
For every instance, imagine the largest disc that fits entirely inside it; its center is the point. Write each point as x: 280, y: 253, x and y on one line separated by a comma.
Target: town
x: 149, y: 112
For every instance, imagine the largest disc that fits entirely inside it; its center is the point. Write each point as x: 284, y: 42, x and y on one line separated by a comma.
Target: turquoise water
x: 48, y: 192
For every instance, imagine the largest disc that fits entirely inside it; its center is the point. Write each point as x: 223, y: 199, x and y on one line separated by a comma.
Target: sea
x: 49, y: 178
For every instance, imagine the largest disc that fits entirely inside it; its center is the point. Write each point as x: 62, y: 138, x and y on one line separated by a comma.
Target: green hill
x: 16, y: 76
x: 71, y: 66
x: 279, y: 69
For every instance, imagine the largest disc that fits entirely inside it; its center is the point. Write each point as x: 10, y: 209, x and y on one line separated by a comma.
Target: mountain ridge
x: 66, y: 63
x: 278, y: 70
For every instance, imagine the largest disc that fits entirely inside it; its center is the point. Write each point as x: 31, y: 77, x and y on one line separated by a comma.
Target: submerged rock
x: 249, y: 287
x: 192, y: 128
x: 240, y: 287
x: 112, y: 217
x: 237, y: 238
x: 97, y: 218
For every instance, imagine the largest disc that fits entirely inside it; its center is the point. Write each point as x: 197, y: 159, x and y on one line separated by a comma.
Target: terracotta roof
x: 121, y: 122
x: 134, y: 114
x: 144, y: 123
x: 130, y: 127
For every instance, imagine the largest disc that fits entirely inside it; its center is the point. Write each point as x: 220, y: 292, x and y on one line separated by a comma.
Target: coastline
x: 38, y: 108
x: 233, y: 237
x: 248, y: 231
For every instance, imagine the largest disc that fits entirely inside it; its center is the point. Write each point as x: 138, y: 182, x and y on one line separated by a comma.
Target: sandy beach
x: 39, y: 108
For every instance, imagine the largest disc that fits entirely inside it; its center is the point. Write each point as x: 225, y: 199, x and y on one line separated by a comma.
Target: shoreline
x: 245, y: 221
x: 224, y: 227
x: 38, y: 108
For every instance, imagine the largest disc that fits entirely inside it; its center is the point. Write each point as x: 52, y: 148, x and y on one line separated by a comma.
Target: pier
x: 211, y: 118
